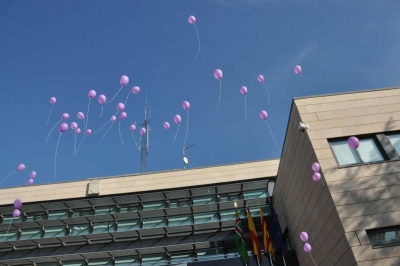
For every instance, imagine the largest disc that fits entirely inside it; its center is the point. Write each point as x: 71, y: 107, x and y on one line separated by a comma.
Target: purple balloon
x: 63, y: 127
x: 73, y: 125
x: 307, y: 247
x: 353, y: 142
x: 16, y: 213
x: 132, y: 128
x: 113, y: 118
x: 120, y: 106
x: 88, y: 132
x: 124, y: 80
x: 122, y: 116
x: 186, y: 105
x: 53, y: 100
x: 80, y: 115
x: 78, y: 131
x: 135, y: 90
x: 304, y: 236
x: 316, y: 176
x: 218, y: 74
x: 243, y: 90
x: 260, y: 78
x: 33, y: 174
x: 65, y: 116
x: 142, y: 131
x: 167, y: 125
x: 21, y: 167
x: 263, y: 115
x: 30, y: 182
x: 192, y: 19
x: 92, y: 94
x: 17, y: 203
x: 102, y: 99
x: 315, y: 166
x: 177, y: 119
x: 297, y: 69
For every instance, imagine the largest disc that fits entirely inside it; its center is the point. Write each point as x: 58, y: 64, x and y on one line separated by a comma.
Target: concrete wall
x: 304, y: 205
x: 144, y: 182
x: 359, y: 197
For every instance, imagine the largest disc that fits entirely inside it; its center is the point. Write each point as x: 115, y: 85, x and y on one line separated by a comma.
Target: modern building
x: 187, y: 217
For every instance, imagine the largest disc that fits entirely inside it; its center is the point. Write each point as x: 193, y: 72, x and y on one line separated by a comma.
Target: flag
x: 240, y: 244
x: 276, y: 229
x: 253, y: 237
x: 267, y: 239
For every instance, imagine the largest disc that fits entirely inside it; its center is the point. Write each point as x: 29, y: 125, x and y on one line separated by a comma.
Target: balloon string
x: 171, y: 132
x: 84, y: 123
x: 74, y: 147
x: 271, y: 132
x: 126, y: 100
x: 176, y: 133
x: 48, y: 119
x: 9, y: 225
x: 106, y: 132
x: 309, y: 77
x: 139, y: 141
x: 102, y: 127
x: 312, y: 259
x: 267, y: 91
x: 55, y: 156
x: 245, y: 106
x: 198, y: 37
x: 219, y: 99
x: 52, y: 129
x: 7, y: 177
x: 87, y: 115
x: 115, y: 95
x: 134, y: 139
x: 187, y: 125
x: 79, y: 146
x: 119, y: 130
x: 102, y: 107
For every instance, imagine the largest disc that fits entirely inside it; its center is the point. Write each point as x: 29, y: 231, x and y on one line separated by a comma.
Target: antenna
x: 185, y: 159
x: 144, y: 149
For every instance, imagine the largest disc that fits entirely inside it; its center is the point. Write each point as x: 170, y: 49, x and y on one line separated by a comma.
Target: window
x: 181, y: 258
x: 78, y: 230
x: 207, y: 254
x: 229, y: 197
x: 31, y: 234
x: 154, y: 222
x: 55, y: 215
x: 205, y: 200
x: 8, y: 236
x: 367, y: 152
x: 130, y: 208
x: 395, y: 140
x: 35, y: 217
x: 154, y: 205
x: 9, y: 219
x: 255, y: 210
x: 154, y: 259
x: 384, y: 237
x: 85, y: 212
x: 131, y: 260
x: 101, y: 262
x: 105, y: 210
x: 179, y: 203
x: 128, y: 225
x: 207, y: 217
x: 55, y: 231
x: 180, y: 220
x: 255, y: 194
x: 99, y: 228
x: 74, y: 263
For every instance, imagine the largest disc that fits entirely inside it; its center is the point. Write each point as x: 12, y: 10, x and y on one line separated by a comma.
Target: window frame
x: 396, y: 229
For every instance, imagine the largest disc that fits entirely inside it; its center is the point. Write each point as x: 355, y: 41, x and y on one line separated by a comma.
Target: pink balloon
x: 16, y: 213
x: 132, y: 128
x: 192, y: 19
x: 263, y: 115
x: 316, y: 176
x: 123, y: 115
x: 120, y: 106
x: 78, y: 131
x: 113, y: 118
x: 63, y: 127
x: 218, y: 74
x: 315, y: 166
x: 135, y: 90
x: 177, y: 119
x: 304, y: 236
x: 353, y: 142
x: 124, y: 80
x: 307, y: 247
x: 92, y: 94
x: 65, y: 116
x: 243, y: 90
x: 142, y: 131
x: 21, y: 166
x: 260, y: 78
x: 88, y: 132
x: 30, y: 182
x: 18, y: 203
x: 53, y: 100
x: 297, y: 69
x: 33, y: 174
x: 102, y: 99
x: 186, y: 105
x: 80, y: 115
x: 167, y: 125
x: 73, y: 125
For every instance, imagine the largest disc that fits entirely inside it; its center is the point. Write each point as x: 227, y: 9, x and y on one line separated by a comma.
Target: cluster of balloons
x: 307, y: 247
x: 316, y: 176
x: 177, y: 120
x: 17, y: 206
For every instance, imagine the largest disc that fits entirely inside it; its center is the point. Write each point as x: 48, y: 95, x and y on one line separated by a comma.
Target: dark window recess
x: 384, y: 236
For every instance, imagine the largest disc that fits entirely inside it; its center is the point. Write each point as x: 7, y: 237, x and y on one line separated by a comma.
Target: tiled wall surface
x: 358, y: 193
x: 145, y: 182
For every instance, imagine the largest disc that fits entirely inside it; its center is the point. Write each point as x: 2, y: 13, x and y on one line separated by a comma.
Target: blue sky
x: 66, y: 48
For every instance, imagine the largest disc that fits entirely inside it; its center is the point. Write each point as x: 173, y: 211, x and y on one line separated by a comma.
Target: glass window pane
x: 223, y: 198
x: 56, y: 231
x: 154, y: 222
x: 130, y: 208
x: 180, y: 220
x: 106, y: 227
x: 176, y: 258
x: 31, y: 234
x: 150, y: 259
x: 154, y: 205
x: 79, y: 213
x: 205, y: 200
x: 35, y: 217
x: 184, y: 203
x: 101, y: 262
x: 128, y: 225
x: 55, y: 215
x: 105, y: 210
x: 395, y: 140
x: 255, y: 194
x: 173, y: 204
x: 344, y: 154
x: 228, y: 215
x: 8, y: 236
x: 382, y: 237
x: 208, y: 217
x: 74, y: 263
x: 131, y: 260
x: 234, y: 197
x: 77, y: 230
x: 9, y: 219
x: 369, y: 151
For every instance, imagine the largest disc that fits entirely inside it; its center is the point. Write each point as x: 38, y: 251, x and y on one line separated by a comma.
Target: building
x: 186, y: 217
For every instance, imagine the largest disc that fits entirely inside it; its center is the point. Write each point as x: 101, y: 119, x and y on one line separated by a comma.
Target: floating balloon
x: 63, y: 128
x: 30, y: 182
x: 64, y: 116
x: 17, y: 203
x: 73, y: 125
x: 132, y: 128
x: 167, y: 126
x: 16, y: 213
x: 263, y: 115
x: 134, y: 90
x: 122, y: 116
x: 186, y: 106
x: 112, y: 120
x: 192, y: 20
x: 143, y: 131
x: 353, y: 142
x: 315, y: 166
x: 91, y: 95
x: 124, y: 80
x: 307, y: 248
x: 218, y: 75
x: 260, y: 79
x: 177, y: 120
x: 119, y: 107
x: 80, y: 116
x: 53, y: 101
x: 102, y: 101
x: 316, y: 176
x: 243, y: 90
x: 33, y: 174
x: 88, y: 132
x: 304, y: 236
x: 297, y: 71
x: 20, y: 167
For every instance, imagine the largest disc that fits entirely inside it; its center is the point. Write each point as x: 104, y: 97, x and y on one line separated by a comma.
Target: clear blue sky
x: 65, y: 48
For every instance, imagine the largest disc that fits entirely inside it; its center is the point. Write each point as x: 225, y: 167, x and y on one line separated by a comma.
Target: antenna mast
x: 144, y: 149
